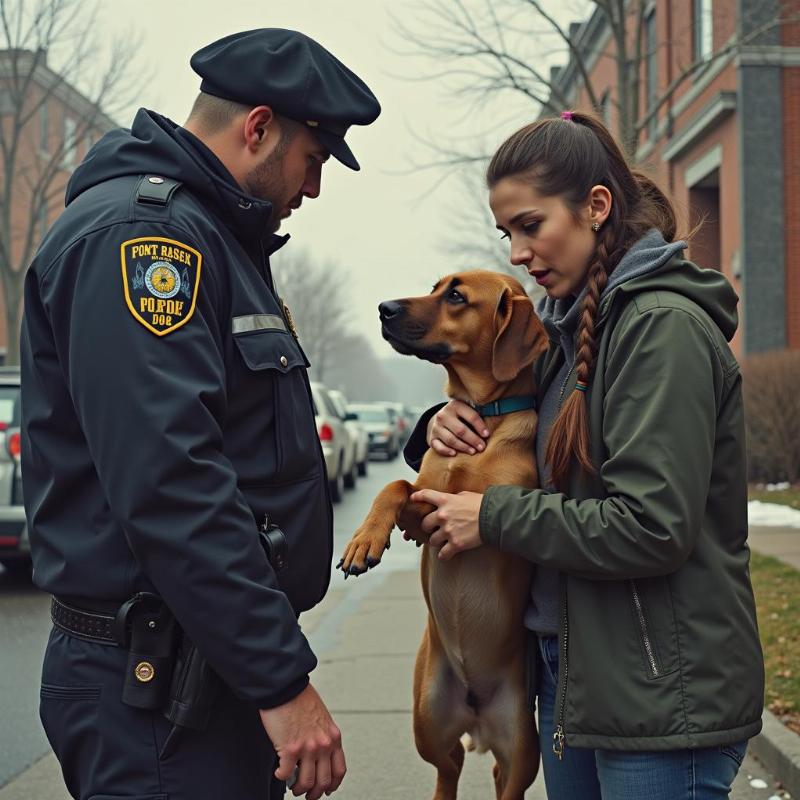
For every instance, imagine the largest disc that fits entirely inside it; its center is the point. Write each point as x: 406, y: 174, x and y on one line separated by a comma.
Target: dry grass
x: 777, y: 590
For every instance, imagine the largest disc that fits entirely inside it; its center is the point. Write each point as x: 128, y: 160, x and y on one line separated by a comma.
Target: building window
x: 70, y: 142
x: 651, y: 66
x: 703, y: 30
x: 44, y: 128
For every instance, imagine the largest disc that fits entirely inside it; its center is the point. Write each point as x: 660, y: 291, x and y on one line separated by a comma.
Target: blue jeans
x: 702, y: 774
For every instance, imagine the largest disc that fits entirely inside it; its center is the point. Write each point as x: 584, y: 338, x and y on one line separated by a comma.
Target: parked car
x: 15, y: 551
x: 379, y: 422
x: 403, y: 419
x: 337, y: 447
x: 358, y: 433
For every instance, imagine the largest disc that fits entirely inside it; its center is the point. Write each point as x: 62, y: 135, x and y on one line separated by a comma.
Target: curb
x: 778, y: 749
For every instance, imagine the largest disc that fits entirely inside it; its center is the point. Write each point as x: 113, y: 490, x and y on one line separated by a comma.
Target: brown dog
x: 470, y: 672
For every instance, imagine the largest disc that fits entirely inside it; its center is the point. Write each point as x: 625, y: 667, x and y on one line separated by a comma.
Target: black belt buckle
x: 273, y: 540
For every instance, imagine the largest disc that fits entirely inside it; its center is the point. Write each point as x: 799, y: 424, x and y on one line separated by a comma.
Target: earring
x: 595, y: 226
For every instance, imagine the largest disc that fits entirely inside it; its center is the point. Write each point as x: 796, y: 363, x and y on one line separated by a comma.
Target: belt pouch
x: 151, y: 657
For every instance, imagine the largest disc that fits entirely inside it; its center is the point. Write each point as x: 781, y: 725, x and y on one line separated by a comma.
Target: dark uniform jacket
x: 166, y: 409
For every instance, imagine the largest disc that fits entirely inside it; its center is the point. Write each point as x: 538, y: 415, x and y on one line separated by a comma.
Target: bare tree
x: 489, y: 48
x: 314, y: 291
x: 474, y: 240
x: 36, y: 153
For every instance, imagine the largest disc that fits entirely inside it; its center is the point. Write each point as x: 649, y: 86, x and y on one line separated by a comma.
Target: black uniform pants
x: 109, y: 750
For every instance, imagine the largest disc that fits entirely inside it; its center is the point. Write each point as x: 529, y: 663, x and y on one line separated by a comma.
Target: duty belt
x: 89, y: 625
x: 98, y: 626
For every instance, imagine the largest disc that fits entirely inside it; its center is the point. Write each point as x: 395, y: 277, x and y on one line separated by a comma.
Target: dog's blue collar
x: 507, y: 405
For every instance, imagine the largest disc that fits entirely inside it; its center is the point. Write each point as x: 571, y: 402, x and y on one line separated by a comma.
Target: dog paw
x: 363, y: 552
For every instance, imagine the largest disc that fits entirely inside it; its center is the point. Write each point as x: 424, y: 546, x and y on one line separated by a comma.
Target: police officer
x: 167, y: 415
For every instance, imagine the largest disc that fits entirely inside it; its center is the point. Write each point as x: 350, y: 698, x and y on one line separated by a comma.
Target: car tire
x: 362, y: 467
x: 337, y: 485
x: 350, y: 478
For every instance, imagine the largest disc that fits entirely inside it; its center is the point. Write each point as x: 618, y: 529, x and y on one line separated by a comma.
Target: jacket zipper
x: 559, y: 742
x: 648, y: 645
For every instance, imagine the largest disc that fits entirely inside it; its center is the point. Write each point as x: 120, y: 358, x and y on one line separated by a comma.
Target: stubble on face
x: 266, y: 181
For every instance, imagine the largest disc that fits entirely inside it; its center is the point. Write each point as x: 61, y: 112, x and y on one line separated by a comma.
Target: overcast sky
x: 387, y: 228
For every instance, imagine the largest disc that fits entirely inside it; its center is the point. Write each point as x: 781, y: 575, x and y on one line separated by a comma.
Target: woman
x: 648, y: 667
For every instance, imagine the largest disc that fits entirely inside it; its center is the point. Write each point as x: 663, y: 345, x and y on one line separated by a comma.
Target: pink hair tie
x: 567, y: 115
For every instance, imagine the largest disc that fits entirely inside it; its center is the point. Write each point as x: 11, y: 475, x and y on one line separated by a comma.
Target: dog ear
x: 520, y: 337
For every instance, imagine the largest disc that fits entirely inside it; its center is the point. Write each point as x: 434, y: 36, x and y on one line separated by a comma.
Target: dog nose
x: 390, y: 309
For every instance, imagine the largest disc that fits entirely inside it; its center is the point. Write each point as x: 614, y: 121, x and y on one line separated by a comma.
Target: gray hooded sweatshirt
x: 561, y: 318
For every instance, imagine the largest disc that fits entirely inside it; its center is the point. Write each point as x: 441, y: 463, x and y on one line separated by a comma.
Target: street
x: 365, y: 634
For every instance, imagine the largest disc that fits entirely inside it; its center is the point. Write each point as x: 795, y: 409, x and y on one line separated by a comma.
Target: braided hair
x: 566, y: 157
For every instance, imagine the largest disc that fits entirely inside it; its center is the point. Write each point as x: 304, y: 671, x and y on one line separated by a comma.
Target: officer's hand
x: 448, y: 432
x: 303, y: 731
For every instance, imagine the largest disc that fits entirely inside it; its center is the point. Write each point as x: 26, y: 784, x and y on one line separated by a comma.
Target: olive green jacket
x: 659, y: 640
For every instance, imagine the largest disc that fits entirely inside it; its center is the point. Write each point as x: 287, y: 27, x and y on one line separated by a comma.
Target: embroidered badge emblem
x: 287, y: 315
x: 161, y: 278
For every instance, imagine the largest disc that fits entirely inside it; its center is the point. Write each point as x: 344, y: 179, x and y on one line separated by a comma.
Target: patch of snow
x: 759, y: 513
x: 757, y: 783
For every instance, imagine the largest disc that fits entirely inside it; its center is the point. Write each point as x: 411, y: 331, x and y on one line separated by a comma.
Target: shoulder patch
x: 161, y: 278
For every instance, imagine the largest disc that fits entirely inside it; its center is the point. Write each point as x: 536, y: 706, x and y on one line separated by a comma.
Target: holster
x: 194, y: 689
x: 195, y: 686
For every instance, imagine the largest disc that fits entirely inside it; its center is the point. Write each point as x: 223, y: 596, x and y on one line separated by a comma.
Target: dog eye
x: 455, y: 297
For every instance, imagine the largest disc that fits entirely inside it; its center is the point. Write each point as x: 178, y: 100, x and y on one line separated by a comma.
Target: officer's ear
x: 260, y: 126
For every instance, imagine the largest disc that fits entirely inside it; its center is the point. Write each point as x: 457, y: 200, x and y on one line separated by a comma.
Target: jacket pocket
x: 276, y: 375
x: 651, y: 604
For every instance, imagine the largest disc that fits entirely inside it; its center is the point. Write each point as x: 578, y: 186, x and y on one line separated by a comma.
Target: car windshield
x: 371, y: 414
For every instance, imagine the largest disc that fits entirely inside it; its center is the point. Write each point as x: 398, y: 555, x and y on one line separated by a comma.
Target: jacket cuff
x: 488, y: 527
x: 289, y: 693
x: 417, y: 444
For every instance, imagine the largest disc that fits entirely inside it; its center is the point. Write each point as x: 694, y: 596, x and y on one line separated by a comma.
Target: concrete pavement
x: 783, y: 543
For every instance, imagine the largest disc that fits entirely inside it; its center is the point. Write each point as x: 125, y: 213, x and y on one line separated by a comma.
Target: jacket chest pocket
x: 274, y: 391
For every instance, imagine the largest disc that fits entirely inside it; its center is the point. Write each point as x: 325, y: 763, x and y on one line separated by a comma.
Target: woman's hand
x: 454, y: 524
x: 449, y: 433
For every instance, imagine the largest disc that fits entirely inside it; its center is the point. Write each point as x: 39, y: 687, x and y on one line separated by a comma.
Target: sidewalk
x: 366, y: 635
x: 782, y: 543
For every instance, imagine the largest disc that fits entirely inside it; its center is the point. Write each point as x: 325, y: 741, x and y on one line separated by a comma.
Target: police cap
x: 295, y: 76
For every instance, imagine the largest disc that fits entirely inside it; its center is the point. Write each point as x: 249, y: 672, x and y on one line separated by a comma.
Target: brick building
x: 46, y: 128
x: 725, y: 145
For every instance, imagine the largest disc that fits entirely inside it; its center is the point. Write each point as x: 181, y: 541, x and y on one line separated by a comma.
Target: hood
x: 156, y: 145
x: 650, y: 264
x: 707, y: 288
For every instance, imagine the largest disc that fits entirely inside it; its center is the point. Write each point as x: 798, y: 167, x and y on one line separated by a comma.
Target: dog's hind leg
x: 440, y: 716
x: 365, y: 549
x: 510, y: 727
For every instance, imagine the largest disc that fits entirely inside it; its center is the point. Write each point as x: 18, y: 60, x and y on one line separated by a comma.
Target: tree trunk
x: 13, y: 303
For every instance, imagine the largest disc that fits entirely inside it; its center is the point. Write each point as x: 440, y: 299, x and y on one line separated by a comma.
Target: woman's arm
x: 664, y: 382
